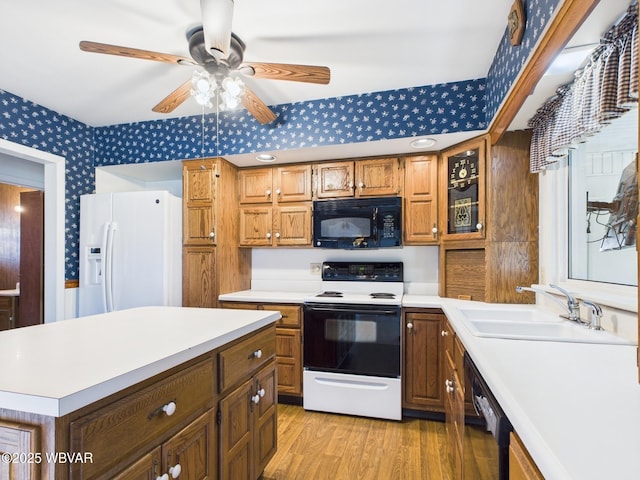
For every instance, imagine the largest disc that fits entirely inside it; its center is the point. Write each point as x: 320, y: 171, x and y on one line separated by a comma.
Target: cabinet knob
x: 163, y: 477
x: 350, y: 184
x: 449, y: 386
x: 479, y: 226
x: 277, y: 234
x: 169, y: 408
x: 256, y: 354
x: 255, y: 399
x: 175, y: 470
x: 278, y: 192
x: 434, y: 230
x: 268, y: 234
x: 410, y: 326
x: 268, y: 192
x: 444, y: 333
x: 212, y: 236
x: 360, y: 185
x: 261, y: 392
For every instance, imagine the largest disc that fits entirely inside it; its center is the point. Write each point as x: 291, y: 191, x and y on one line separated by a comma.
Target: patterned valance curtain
x: 602, y: 91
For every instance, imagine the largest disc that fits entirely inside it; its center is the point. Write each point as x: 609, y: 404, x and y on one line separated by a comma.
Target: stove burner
x: 330, y: 294
x: 382, y: 295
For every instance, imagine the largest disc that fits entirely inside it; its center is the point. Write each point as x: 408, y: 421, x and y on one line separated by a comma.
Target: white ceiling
x: 369, y: 45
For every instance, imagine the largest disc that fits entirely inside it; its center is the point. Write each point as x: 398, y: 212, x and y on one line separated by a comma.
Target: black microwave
x: 356, y: 223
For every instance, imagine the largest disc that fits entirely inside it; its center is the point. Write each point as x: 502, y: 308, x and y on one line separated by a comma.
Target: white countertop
x: 56, y: 368
x: 270, y: 296
x: 576, y: 406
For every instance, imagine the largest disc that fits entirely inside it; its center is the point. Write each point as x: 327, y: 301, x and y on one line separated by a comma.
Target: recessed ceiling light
x: 265, y: 157
x: 423, y: 143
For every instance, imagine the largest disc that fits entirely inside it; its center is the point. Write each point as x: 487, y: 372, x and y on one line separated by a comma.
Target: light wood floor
x: 314, y: 445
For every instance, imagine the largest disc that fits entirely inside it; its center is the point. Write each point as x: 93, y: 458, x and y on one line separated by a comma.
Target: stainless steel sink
x: 533, y: 324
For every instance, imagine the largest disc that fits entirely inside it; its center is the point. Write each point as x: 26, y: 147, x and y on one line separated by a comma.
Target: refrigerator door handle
x: 108, y: 268
x: 103, y: 265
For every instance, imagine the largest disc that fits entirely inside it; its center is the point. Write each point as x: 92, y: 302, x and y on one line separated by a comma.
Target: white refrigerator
x: 130, y: 251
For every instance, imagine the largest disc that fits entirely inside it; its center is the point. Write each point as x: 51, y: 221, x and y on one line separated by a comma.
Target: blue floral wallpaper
x: 444, y: 108
x: 453, y: 107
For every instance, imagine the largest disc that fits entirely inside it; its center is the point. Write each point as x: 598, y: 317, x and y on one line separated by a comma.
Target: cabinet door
x: 16, y: 438
x: 256, y: 185
x: 462, y: 189
x: 191, y: 453
x: 265, y: 417
x: 423, y: 367
x: 255, y: 226
x: 7, y: 320
x: 335, y: 179
x: 148, y: 467
x: 289, y: 359
x: 198, y: 208
x: 521, y: 465
x: 198, y: 277
x: 421, y: 200
x: 236, y: 433
x: 292, y: 225
x: 293, y: 183
x: 376, y: 177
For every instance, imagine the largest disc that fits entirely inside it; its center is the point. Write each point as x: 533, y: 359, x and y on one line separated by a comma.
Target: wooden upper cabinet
x: 421, y: 200
x: 198, y: 184
x: 335, y: 179
x: 462, y: 190
x: 256, y: 185
x: 377, y: 177
x: 275, y: 185
x: 359, y: 178
x: 293, y: 183
x: 275, y: 206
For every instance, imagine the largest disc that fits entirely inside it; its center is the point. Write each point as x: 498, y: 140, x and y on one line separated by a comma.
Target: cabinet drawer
x: 238, y: 361
x: 133, y: 422
x: 290, y: 314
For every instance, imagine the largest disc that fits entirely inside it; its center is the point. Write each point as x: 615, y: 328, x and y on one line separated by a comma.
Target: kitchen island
x: 118, y: 394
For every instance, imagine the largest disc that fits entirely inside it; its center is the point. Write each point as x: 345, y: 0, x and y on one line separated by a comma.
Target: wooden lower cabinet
x: 248, y: 424
x: 423, y: 376
x: 454, y: 400
x: 521, y: 465
x: 288, y: 343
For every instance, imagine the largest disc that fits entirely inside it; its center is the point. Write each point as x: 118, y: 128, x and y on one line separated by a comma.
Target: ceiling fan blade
x: 216, y: 24
x: 257, y: 107
x: 286, y: 71
x: 95, y: 47
x: 174, y: 99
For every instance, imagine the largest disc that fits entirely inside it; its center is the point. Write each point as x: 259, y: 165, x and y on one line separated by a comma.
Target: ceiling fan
x: 220, y: 53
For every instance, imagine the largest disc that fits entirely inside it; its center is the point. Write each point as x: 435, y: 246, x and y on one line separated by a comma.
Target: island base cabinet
x: 190, y: 454
x: 17, y: 439
x: 521, y: 465
x: 248, y: 426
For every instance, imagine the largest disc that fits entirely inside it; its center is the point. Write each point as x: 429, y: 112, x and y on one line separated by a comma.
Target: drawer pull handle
x: 256, y: 354
x: 169, y: 408
x: 444, y: 333
x: 255, y: 399
x: 175, y: 470
x: 261, y: 392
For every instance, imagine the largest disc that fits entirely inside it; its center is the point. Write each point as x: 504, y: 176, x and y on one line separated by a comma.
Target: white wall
x: 289, y: 268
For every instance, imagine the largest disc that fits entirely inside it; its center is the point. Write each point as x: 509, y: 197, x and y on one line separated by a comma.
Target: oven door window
x: 352, y: 341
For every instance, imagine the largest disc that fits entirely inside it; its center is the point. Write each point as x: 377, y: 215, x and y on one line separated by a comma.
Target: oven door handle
x: 352, y: 310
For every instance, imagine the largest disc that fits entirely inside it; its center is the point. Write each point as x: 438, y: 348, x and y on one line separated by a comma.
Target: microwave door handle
x: 375, y: 226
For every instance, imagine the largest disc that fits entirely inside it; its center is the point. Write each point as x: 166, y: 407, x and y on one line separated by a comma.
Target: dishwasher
x: 494, y: 420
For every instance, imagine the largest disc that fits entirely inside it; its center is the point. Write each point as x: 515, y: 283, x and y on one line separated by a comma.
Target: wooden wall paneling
x: 31, y: 259
x: 9, y: 235
x: 510, y: 264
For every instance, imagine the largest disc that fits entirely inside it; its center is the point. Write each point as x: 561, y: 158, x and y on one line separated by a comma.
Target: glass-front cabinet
x: 462, y: 180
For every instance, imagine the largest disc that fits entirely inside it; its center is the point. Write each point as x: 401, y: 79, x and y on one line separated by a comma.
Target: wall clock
x: 516, y: 22
x: 463, y: 190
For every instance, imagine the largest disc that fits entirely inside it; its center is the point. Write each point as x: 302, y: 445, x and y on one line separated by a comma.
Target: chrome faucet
x: 596, y: 315
x: 572, y: 307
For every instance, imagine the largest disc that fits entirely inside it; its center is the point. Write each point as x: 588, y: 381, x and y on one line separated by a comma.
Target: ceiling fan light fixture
x: 423, y: 143
x: 216, y: 23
